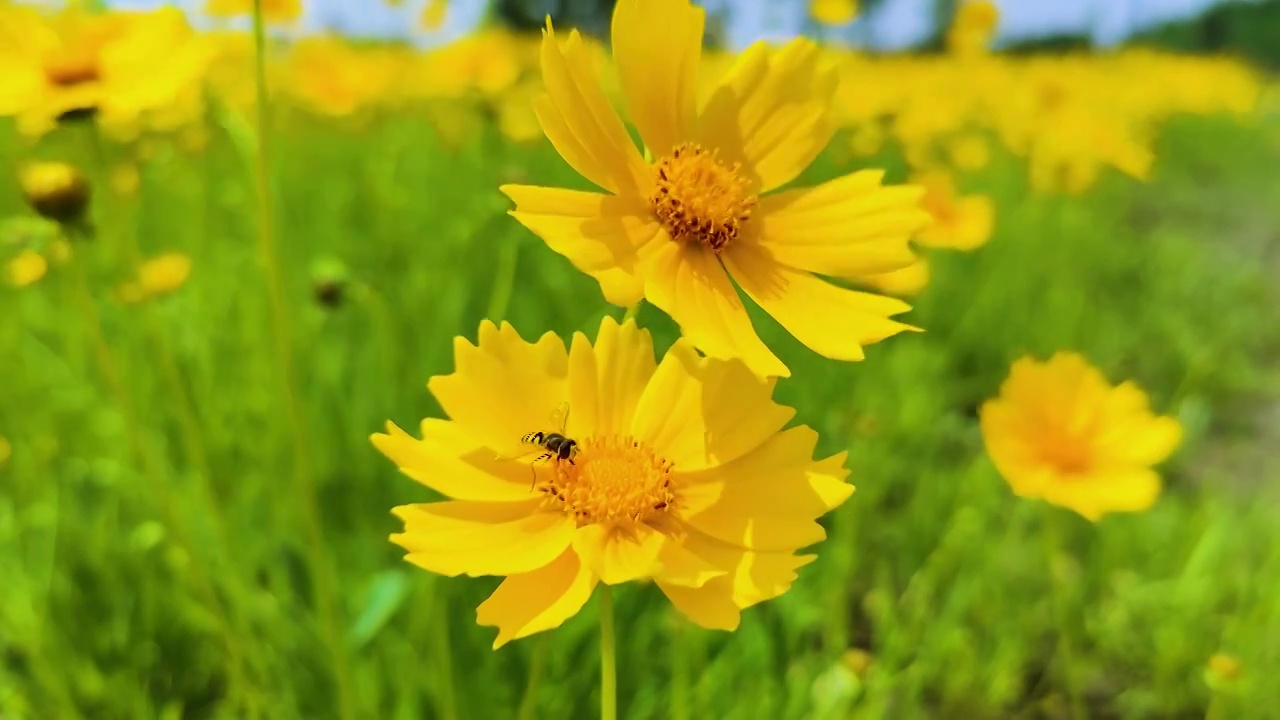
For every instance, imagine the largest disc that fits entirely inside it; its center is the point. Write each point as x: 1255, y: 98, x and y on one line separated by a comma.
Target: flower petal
x: 850, y: 227
x: 607, y: 380
x: 755, y: 576
x: 619, y: 553
x: 601, y: 235
x: 579, y: 121
x: 698, y: 412
x: 1104, y: 491
x: 682, y: 567
x: 482, y: 538
x: 657, y: 46
x: 710, y: 606
x: 688, y: 283
x: 772, y: 112
x: 832, y: 321
x: 452, y: 463
x: 539, y: 600
x: 503, y: 387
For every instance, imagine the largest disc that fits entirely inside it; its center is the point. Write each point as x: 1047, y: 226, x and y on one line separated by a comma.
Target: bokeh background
x: 193, y: 522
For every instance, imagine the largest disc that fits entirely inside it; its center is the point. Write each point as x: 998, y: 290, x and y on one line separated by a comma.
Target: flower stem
x: 324, y: 584
x: 608, y: 660
x: 1054, y: 545
x: 632, y: 312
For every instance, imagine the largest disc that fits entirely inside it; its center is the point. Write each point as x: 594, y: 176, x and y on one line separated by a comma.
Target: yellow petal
x: 753, y: 576
x: 601, y: 235
x: 680, y: 566
x: 849, y: 227
x: 832, y: 321
x: 504, y: 387
x: 579, y: 121
x: 701, y: 413
x: 710, y: 606
x: 539, y: 600
x: 903, y: 283
x: 657, y: 46
x: 1111, y: 490
x: 606, y: 382
x: 771, y: 112
x: 688, y: 283
x: 619, y: 553
x: 25, y: 268
x: 450, y: 462
x: 482, y: 538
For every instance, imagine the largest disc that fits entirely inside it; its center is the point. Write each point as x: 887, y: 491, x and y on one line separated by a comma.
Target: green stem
x: 529, y: 703
x: 1055, y: 544
x: 608, y: 661
x: 504, y: 281
x: 632, y: 312
x: 680, y: 671
x: 304, y: 491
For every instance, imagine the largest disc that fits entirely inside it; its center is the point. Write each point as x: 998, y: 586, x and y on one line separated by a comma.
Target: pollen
x: 699, y: 198
x: 611, y: 478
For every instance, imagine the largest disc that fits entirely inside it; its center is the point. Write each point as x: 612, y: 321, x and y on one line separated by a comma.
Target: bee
x: 555, y: 445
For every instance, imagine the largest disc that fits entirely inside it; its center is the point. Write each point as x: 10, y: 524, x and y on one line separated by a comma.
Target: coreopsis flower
x: 114, y: 65
x: 674, y: 227
x: 25, y: 268
x: 332, y: 77
x: 973, y: 27
x: 433, y: 14
x: 273, y: 11
x: 833, y: 12
x: 960, y: 222
x: 905, y: 282
x: 679, y: 472
x: 56, y: 190
x: 157, y: 277
x: 1060, y: 432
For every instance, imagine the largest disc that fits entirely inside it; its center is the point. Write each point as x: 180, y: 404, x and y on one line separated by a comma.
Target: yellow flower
x: 1061, y: 433
x: 906, y: 282
x: 682, y: 474
x: 969, y: 153
x: 157, y: 277
x: 273, y: 11
x: 331, y: 77
x: 833, y: 12
x: 959, y: 222
x: 55, y: 190
x: 973, y: 27
x: 1223, y: 669
x: 433, y: 14
x: 670, y: 226
x: 116, y: 65
x: 25, y: 268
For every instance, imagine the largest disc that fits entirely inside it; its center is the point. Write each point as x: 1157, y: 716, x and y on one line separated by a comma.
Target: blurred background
x: 225, y: 265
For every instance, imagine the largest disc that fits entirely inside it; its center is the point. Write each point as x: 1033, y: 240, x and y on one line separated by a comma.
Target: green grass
x: 154, y: 545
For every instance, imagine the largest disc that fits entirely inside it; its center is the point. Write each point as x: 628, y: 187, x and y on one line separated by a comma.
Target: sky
x: 893, y: 24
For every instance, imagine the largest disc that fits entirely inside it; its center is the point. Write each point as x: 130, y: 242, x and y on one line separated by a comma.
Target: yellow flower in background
x: 157, y: 277
x: 833, y: 12
x: 674, y: 227
x: 960, y: 222
x: 433, y: 14
x: 331, y: 77
x: 55, y: 190
x: 1060, y: 432
x: 25, y: 268
x: 973, y: 27
x: 273, y: 11
x: 969, y: 153
x: 114, y: 65
x: 906, y: 282
x: 681, y: 473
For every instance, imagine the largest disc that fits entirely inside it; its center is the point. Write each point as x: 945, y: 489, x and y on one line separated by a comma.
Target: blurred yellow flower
x: 959, y: 222
x: 1222, y: 670
x: 833, y: 12
x: 1060, y: 432
x: 115, y: 65
x: 969, y: 153
x: 905, y: 282
x: 125, y: 179
x: 973, y: 27
x: 273, y: 11
x: 674, y: 228
x: 433, y: 14
x: 55, y: 190
x: 25, y: 268
x: 157, y: 277
x: 331, y: 77
x: 681, y: 473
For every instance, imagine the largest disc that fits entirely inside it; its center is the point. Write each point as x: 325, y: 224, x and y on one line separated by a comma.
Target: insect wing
x: 560, y: 418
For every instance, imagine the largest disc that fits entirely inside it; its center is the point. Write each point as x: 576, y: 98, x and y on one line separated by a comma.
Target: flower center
x: 698, y: 198
x: 611, y: 478
x: 1070, y: 455
x: 72, y: 70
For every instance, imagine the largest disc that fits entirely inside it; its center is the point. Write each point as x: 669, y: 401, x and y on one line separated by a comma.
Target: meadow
x: 193, y: 522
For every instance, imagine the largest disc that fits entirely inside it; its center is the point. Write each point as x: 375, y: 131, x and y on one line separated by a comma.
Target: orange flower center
x: 611, y: 478
x: 72, y: 69
x: 1070, y: 455
x: 698, y: 198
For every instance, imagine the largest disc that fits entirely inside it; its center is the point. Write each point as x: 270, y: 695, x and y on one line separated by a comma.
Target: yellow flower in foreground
x: 1061, y: 433
x: 158, y: 276
x: 833, y: 12
x: 273, y: 11
x: 671, y: 226
x: 115, y: 64
x: 682, y: 474
x: 959, y: 222
x: 25, y: 268
x: 55, y: 190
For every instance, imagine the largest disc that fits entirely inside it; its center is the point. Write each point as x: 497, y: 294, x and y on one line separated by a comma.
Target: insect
x: 553, y: 446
